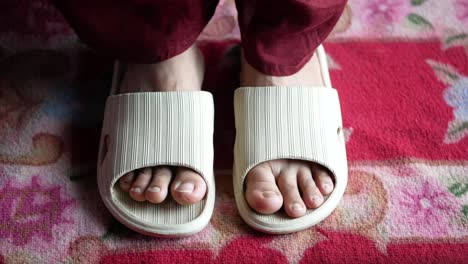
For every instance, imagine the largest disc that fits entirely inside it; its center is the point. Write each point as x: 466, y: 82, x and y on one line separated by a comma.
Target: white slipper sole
x: 294, y: 122
x: 152, y: 129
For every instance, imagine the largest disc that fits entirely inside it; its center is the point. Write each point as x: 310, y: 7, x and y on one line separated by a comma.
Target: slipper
x: 149, y: 129
x: 297, y: 122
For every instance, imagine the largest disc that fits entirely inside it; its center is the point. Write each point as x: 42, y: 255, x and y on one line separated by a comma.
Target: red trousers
x: 278, y: 36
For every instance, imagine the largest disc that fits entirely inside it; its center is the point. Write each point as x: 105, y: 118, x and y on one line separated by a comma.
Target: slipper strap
x: 156, y: 128
x: 297, y: 122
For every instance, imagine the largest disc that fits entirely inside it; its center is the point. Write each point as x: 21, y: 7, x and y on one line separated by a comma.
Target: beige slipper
x: 298, y: 122
x: 151, y: 129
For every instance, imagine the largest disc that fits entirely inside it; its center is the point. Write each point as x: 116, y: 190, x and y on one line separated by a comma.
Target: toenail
x: 327, y: 187
x: 296, y: 207
x: 186, y: 187
x: 136, y: 189
x: 154, y: 189
x: 316, y: 199
x: 269, y: 194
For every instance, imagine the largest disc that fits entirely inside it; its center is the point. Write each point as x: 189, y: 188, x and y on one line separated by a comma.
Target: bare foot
x: 183, y: 72
x: 273, y: 184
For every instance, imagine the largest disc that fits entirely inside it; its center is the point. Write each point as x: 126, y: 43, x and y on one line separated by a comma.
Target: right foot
x: 294, y: 185
x: 183, y: 72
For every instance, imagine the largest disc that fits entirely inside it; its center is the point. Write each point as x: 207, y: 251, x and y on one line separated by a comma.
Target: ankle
x: 309, y: 74
x: 183, y: 72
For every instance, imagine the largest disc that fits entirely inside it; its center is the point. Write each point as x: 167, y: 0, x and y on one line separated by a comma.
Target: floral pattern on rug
x: 31, y: 211
x: 456, y: 96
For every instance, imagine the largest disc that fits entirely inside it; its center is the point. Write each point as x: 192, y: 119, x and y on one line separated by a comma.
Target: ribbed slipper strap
x: 150, y: 129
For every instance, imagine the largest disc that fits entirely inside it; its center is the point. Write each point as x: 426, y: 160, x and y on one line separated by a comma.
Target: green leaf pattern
x: 419, y: 21
x: 459, y: 189
x: 417, y: 2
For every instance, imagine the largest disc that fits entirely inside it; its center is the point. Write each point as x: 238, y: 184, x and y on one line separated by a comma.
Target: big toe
x: 262, y: 193
x: 188, y: 186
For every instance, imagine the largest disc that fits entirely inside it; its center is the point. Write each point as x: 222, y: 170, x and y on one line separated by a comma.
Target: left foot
x: 183, y: 72
x: 279, y: 183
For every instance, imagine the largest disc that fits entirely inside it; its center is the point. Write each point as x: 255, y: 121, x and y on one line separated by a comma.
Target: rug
x: 400, y: 67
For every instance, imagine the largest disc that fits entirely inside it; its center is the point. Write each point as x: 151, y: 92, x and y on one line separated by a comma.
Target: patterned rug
x: 400, y: 66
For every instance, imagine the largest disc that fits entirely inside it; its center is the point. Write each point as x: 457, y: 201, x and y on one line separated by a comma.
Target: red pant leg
x: 280, y: 36
x: 138, y: 31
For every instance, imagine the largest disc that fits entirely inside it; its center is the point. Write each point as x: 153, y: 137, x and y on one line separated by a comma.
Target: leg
x: 138, y: 31
x: 156, y: 40
x: 278, y: 40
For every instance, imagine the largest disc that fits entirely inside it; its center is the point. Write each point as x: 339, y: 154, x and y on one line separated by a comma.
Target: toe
x: 323, y: 180
x: 137, y: 192
x: 287, y: 182
x: 126, y: 181
x: 262, y: 193
x: 188, y: 186
x: 158, y: 187
x: 310, y: 193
